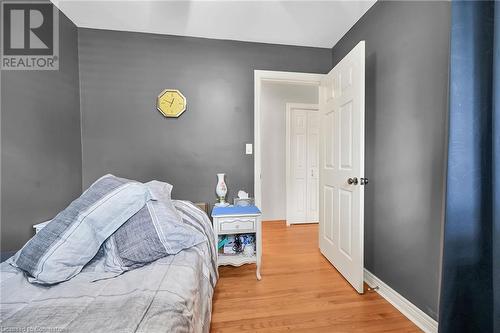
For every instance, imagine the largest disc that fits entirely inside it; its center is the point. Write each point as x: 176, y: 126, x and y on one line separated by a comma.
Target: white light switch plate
x: 248, y: 149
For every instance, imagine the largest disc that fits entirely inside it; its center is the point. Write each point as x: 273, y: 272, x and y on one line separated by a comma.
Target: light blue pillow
x: 61, y: 249
x: 153, y: 232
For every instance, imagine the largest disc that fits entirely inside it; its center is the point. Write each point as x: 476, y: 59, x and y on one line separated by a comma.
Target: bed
x: 171, y: 294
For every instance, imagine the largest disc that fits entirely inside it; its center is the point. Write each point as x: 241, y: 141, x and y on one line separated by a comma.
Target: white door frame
x: 277, y: 77
x: 289, y: 107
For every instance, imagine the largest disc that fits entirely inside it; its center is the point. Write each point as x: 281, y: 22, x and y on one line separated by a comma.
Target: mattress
x: 172, y: 294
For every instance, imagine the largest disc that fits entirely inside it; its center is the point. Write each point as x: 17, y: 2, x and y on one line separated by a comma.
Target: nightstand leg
x: 258, y: 269
x: 259, y: 246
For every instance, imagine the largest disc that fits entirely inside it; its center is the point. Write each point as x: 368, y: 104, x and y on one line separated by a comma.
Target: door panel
x: 328, y: 217
x: 345, y: 227
x: 345, y: 141
x: 342, y: 114
x: 329, y: 142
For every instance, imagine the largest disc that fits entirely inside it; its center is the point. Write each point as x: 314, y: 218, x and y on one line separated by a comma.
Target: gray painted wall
x: 122, y: 73
x: 40, y: 141
x: 407, y: 50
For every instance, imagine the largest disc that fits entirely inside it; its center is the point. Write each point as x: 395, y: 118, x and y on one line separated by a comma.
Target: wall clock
x: 171, y: 103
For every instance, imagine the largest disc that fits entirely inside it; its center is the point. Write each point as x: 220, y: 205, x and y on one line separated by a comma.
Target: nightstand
x: 236, y: 220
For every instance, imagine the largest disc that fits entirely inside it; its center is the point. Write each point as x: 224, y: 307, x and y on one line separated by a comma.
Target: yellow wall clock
x: 171, y: 103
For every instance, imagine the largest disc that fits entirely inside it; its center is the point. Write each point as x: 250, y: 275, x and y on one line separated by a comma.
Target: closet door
x: 298, y: 176
x: 302, y: 183
x: 313, y: 166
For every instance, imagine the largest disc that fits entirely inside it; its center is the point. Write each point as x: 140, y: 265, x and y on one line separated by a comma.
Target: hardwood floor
x: 299, y: 292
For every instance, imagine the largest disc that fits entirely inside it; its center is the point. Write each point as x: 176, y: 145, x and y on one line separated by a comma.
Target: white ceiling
x: 303, y: 23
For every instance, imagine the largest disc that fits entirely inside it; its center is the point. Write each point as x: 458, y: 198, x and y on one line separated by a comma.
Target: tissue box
x: 243, y: 201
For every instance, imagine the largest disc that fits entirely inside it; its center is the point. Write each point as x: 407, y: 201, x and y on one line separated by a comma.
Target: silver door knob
x: 352, y: 181
x: 363, y: 181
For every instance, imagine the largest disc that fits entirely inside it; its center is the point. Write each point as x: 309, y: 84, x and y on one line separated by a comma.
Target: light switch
x: 248, y: 149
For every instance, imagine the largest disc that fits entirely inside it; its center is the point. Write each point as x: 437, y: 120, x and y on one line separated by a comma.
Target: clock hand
x: 173, y: 99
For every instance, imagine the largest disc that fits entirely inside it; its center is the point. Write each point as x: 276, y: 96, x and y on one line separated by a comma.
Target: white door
x: 302, y: 161
x: 342, y: 117
x: 313, y: 167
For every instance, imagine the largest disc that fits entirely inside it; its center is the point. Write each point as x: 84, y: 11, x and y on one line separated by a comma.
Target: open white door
x: 342, y: 158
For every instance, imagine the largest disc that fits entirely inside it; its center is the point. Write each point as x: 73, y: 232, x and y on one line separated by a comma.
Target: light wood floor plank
x: 300, y: 291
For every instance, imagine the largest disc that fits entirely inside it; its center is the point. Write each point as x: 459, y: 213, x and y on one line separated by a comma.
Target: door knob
x: 352, y: 181
x: 363, y: 181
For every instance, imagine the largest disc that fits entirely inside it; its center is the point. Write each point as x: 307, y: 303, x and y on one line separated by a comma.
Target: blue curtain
x: 470, y: 288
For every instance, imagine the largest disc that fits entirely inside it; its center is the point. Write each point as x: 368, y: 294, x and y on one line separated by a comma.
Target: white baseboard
x: 417, y: 316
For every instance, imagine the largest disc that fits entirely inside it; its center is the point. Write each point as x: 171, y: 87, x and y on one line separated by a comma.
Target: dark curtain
x: 470, y: 285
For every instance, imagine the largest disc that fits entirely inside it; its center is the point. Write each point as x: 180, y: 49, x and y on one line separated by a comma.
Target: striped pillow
x: 61, y: 249
x: 153, y: 232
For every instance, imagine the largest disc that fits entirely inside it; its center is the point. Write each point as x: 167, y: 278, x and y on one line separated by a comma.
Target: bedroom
x: 430, y: 236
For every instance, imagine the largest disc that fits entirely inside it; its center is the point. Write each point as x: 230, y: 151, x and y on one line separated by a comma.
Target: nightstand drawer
x: 237, y: 225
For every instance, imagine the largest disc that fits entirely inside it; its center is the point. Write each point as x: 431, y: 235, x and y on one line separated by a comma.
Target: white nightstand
x: 234, y: 220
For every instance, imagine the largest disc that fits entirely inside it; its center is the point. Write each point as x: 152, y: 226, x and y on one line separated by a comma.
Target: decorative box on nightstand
x: 40, y: 226
x: 236, y: 220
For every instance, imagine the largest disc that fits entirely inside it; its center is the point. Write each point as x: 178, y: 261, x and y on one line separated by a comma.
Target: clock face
x: 171, y: 103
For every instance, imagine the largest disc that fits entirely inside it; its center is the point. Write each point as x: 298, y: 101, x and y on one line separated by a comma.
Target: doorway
x: 264, y: 84
x: 270, y: 139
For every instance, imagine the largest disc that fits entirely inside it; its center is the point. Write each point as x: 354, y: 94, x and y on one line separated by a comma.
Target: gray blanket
x: 172, y: 294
